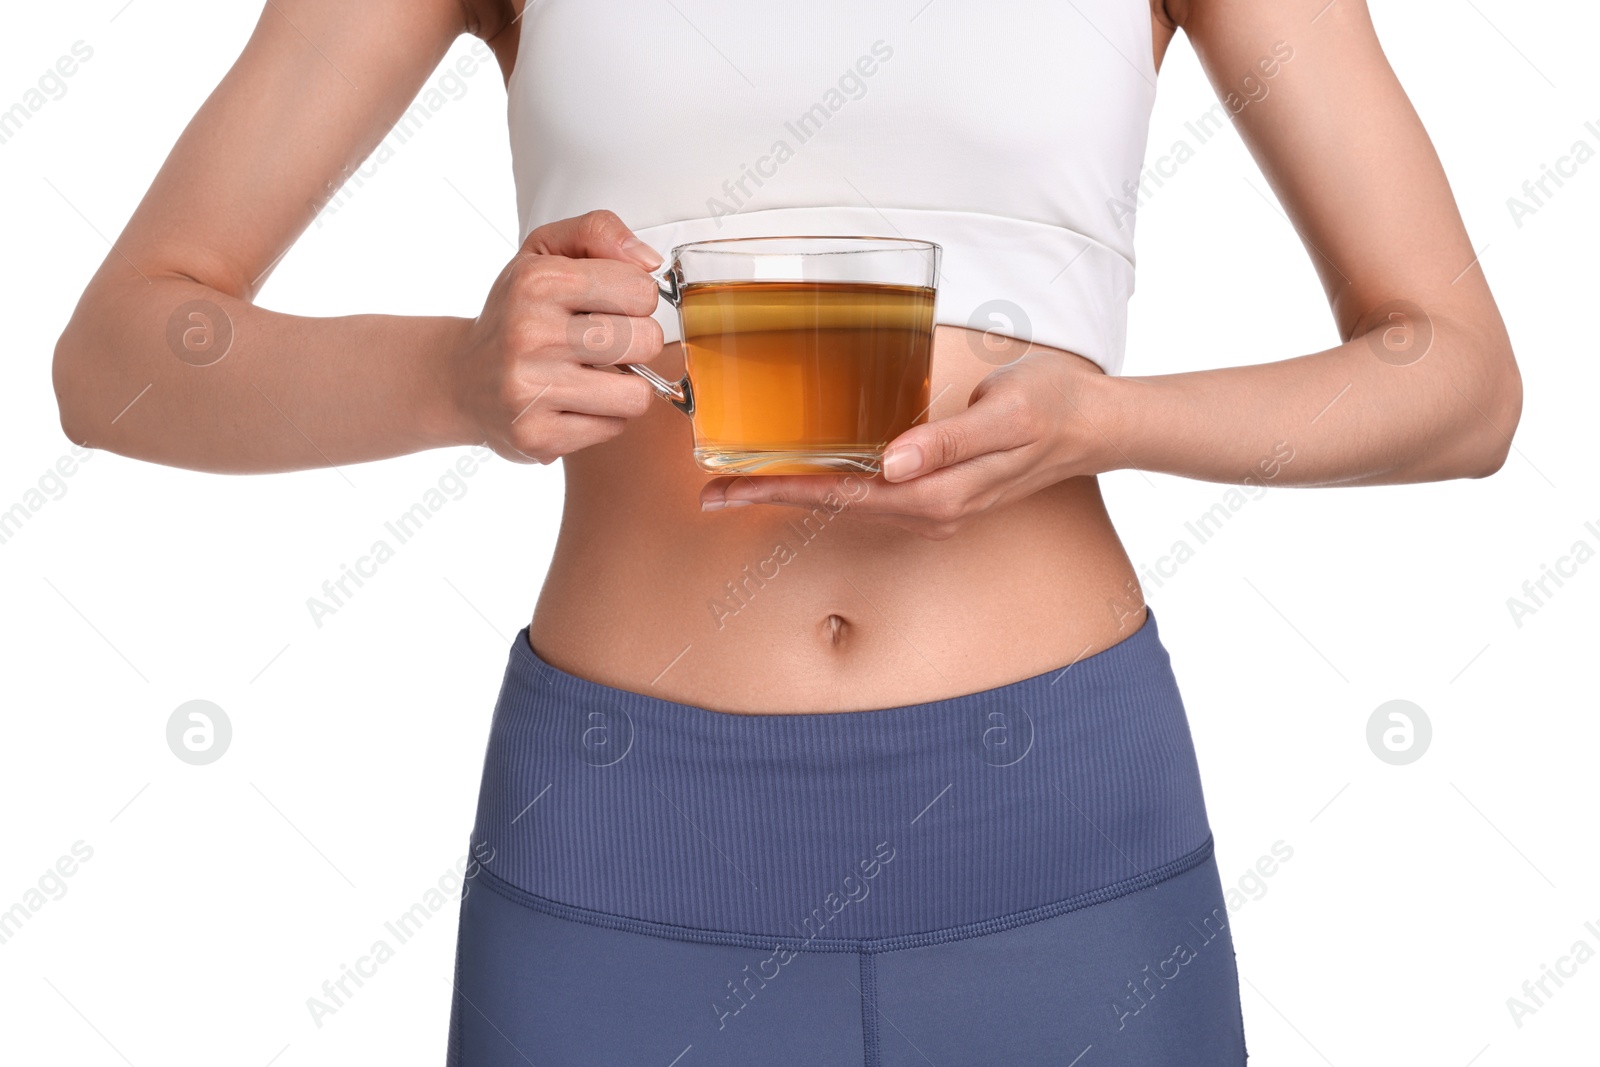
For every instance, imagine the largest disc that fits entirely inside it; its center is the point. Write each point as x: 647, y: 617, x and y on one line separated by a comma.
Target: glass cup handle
x: 679, y: 394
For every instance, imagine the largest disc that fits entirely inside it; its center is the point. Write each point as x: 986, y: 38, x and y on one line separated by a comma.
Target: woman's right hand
x: 533, y: 376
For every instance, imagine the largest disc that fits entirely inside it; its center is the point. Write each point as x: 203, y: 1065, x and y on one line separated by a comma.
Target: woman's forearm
x: 1368, y: 412
x: 176, y: 372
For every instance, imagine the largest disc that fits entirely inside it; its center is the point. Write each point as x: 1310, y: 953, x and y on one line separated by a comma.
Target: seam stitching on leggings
x: 673, y: 932
x: 871, y: 1055
x: 455, y: 1055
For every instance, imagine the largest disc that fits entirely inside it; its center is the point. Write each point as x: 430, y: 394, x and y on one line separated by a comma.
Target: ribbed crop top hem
x: 1033, y: 280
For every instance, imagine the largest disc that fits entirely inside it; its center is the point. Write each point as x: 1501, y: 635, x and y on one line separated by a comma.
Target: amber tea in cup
x: 802, y: 355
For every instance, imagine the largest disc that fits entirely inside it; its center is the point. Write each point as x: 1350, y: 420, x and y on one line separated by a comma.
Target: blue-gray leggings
x: 1019, y: 876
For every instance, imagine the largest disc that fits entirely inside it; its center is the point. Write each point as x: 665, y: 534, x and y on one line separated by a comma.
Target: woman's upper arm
x: 314, y: 91
x: 1322, y: 112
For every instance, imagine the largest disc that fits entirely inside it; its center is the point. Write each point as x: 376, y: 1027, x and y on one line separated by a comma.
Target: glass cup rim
x: 905, y: 244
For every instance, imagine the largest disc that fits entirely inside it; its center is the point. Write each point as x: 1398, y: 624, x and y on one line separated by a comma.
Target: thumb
x: 985, y: 426
x: 594, y: 235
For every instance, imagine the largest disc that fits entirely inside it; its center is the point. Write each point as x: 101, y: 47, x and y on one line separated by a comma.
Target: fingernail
x: 713, y: 505
x: 902, y: 461
x: 647, y: 257
x: 739, y: 503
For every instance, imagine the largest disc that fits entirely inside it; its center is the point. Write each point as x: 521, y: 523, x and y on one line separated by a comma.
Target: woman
x: 922, y: 789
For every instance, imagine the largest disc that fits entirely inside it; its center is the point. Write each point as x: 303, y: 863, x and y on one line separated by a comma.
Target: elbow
x: 72, y: 372
x: 67, y: 372
x: 1498, y: 410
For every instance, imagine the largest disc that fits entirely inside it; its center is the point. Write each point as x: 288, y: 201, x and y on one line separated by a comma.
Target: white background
x: 219, y: 898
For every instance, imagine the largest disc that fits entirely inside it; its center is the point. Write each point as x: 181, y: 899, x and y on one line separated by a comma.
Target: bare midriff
x: 774, y: 608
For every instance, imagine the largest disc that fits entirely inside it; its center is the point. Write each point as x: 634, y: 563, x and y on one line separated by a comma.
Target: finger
x: 903, y: 506
x: 606, y: 393
x: 993, y: 423
x: 604, y: 285
x: 595, y: 235
x: 565, y: 432
x: 825, y: 491
x: 602, y: 340
x: 834, y: 492
x: 616, y: 288
x: 940, y: 498
x: 580, y: 390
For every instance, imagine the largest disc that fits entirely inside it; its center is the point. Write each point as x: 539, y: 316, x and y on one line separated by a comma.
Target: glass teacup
x: 802, y: 355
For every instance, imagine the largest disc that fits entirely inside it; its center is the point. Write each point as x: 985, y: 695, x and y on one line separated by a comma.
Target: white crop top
x: 1010, y: 132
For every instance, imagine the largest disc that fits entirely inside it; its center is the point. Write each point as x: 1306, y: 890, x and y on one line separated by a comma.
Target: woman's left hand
x: 1025, y: 428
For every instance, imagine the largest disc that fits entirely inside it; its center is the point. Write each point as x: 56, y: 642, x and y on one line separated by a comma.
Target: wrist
x: 1103, y: 402
x: 440, y: 416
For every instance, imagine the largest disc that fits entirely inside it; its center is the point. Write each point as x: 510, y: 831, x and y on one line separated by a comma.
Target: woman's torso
x: 779, y: 609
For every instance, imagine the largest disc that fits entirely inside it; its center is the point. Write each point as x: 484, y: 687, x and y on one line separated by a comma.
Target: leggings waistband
x: 1050, y: 792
